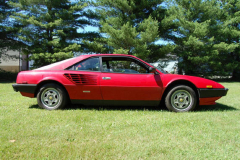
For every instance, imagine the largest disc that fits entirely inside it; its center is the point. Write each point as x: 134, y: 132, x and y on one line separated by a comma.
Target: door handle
x: 106, y: 78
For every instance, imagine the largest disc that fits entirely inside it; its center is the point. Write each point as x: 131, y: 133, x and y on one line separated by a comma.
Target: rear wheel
x: 181, y: 99
x: 51, y: 96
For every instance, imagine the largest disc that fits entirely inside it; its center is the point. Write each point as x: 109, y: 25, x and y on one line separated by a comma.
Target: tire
x: 51, y: 96
x: 181, y: 99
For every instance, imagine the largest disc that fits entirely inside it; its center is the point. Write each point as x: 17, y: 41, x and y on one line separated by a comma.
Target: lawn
x: 27, y: 132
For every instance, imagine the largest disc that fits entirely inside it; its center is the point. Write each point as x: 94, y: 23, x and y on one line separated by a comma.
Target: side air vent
x: 86, y: 79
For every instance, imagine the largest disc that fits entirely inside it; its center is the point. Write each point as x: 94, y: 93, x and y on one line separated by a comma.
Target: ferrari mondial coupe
x: 115, y: 80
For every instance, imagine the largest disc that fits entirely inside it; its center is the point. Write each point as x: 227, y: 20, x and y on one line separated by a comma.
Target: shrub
x: 7, y: 76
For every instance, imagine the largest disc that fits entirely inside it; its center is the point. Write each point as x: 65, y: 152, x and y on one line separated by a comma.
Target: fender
x: 50, y: 79
x: 198, y: 82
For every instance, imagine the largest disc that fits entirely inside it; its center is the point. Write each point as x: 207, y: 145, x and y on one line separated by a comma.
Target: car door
x: 126, y: 81
x: 85, y: 78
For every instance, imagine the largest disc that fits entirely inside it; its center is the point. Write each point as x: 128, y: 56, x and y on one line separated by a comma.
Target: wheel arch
x: 177, y: 83
x: 46, y: 82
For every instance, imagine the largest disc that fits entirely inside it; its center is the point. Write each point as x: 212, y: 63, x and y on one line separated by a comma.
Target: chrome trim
x: 106, y: 78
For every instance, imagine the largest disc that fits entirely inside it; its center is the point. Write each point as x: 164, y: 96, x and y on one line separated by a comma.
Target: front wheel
x: 181, y: 99
x: 51, y: 96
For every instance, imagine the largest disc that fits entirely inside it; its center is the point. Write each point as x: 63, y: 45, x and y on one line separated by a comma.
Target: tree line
x: 203, y: 34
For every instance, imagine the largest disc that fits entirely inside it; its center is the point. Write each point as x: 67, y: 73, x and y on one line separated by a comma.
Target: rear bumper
x: 208, y: 93
x: 26, y: 88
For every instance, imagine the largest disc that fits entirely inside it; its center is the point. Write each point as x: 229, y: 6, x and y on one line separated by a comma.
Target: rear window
x: 91, y: 64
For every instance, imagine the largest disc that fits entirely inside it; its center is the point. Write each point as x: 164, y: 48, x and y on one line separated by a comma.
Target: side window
x: 122, y: 65
x: 91, y: 64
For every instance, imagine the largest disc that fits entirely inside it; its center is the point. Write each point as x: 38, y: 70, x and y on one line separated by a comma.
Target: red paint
x: 90, y: 85
x: 130, y: 86
x: 208, y: 101
x: 30, y: 95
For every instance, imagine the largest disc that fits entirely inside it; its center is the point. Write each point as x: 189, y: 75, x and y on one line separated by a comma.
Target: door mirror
x: 152, y: 70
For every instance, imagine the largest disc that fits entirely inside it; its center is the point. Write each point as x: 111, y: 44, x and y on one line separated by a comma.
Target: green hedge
x: 7, y: 76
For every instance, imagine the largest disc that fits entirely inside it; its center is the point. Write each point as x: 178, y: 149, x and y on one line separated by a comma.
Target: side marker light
x: 209, y: 86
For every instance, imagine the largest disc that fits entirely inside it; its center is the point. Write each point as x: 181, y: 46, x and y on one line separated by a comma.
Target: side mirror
x: 152, y: 70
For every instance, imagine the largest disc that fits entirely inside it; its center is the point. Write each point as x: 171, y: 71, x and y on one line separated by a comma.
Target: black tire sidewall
x: 61, y: 92
x: 181, y: 87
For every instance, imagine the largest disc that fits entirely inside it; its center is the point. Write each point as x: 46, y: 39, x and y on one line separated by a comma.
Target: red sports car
x: 114, y: 79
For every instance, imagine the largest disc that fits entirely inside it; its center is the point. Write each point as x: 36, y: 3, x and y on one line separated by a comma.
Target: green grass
x: 27, y: 132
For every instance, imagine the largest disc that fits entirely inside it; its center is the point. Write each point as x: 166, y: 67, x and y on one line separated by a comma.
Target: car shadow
x: 34, y: 107
x: 217, y: 107
x: 119, y: 108
x: 83, y: 107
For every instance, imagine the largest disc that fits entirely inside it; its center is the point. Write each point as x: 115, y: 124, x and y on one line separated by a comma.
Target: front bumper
x: 207, y: 93
x: 27, y: 88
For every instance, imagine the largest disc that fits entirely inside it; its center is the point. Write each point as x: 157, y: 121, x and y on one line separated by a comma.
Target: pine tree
x: 193, y: 28
x: 131, y: 27
x: 7, y: 30
x: 50, y: 28
x: 206, y: 35
x: 228, y: 37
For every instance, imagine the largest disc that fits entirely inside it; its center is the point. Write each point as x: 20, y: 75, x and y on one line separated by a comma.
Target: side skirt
x: 115, y: 102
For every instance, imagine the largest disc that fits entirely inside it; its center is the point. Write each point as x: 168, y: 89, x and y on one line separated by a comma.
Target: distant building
x: 14, y: 65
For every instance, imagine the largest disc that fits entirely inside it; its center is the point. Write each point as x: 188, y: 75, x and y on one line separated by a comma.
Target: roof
x: 66, y: 63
